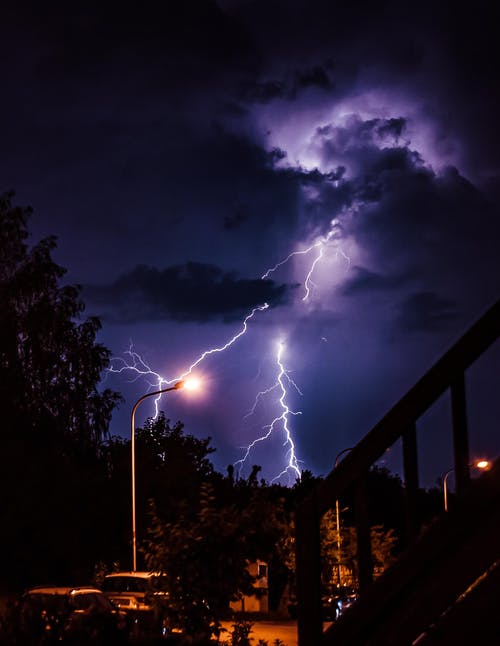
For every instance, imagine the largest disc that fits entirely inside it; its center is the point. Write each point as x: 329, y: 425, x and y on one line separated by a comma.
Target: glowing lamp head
x: 482, y: 464
x: 192, y: 384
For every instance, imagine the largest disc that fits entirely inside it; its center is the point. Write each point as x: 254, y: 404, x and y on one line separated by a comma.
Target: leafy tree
x: 267, y: 510
x: 383, y: 544
x: 50, y: 364
x: 204, y: 558
x: 383, y: 536
x: 205, y: 545
x: 169, y: 465
x: 53, y: 415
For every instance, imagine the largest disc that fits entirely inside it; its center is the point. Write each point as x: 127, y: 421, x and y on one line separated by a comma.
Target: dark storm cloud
x: 176, y: 130
x: 289, y: 87
x: 364, y: 161
x: 362, y: 280
x: 264, y: 92
x: 316, y: 76
x: 407, y: 215
x: 89, y: 35
x: 426, y: 312
x: 358, y: 141
x: 440, y: 56
x: 235, y: 219
x: 189, y: 292
x: 391, y: 200
x: 417, y: 228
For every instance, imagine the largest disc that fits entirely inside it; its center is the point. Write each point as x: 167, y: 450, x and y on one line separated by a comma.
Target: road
x: 285, y: 630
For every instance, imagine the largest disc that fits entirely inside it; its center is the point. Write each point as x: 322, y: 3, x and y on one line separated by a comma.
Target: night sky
x: 179, y: 151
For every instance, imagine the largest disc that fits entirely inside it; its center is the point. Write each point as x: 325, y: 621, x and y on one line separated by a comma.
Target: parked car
x: 71, y: 615
x: 144, y: 599
x: 333, y: 603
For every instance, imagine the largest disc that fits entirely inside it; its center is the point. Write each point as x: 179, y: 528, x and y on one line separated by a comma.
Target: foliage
x: 101, y: 570
x: 384, y: 538
x: 267, y: 511
x: 205, y: 545
x: 50, y: 365
x: 382, y: 545
x: 240, y: 635
x: 172, y: 465
x: 204, y: 556
x: 50, y: 369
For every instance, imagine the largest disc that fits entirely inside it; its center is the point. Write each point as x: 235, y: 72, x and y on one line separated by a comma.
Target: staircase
x: 449, y: 569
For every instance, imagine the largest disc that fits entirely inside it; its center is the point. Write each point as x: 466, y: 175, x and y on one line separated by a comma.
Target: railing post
x: 410, y: 468
x: 308, y: 572
x: 460, y: 436
x: 365, y: 563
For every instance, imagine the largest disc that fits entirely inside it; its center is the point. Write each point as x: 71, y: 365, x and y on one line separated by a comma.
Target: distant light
x: 482, y: 464
x: 193, y: 383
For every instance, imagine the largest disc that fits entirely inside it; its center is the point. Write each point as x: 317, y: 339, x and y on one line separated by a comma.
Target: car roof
x: 136, y: 574
x: 63, y: 590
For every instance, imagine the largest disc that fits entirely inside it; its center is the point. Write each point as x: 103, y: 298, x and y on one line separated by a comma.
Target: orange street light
x: 483, y: 465
x: 193, y: 383
x: 176, y: 386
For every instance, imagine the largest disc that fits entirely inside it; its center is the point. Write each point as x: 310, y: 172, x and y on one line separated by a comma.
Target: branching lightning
x: 282, y: 420
x: 138, y: 368
x: 320, y: 246
x: 283, y: 379
x: 302, y: 252
x: 308, y: 281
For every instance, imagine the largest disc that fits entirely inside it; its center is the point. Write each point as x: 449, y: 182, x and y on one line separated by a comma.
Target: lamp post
x: 176, y: 386
x: 445, y: 489
x: 483, y: 465
x: 337, y: 517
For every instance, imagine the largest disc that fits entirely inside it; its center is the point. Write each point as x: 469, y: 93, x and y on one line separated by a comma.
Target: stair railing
x: 399, y: 423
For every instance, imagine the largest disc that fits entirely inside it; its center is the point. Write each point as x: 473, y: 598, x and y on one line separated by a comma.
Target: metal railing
x: 352, y: 472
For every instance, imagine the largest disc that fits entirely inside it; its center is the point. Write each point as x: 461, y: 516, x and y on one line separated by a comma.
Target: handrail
x: 411, y: 406
x: 399, y: 422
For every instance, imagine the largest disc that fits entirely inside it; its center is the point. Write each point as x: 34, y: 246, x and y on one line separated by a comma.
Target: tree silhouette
x: 50, y: 363
x: 53, y: 414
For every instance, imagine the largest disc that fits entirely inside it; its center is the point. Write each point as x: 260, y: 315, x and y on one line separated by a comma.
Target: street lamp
x: 176, y: 386
x: 337, y: 515
x: 483, y: 465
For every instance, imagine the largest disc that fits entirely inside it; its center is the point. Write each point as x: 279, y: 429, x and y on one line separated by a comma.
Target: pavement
x: 270, y: 631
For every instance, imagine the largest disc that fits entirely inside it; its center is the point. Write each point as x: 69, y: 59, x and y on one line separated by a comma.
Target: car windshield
x: 51, y: 603
x: 91, y: 601
x: 125, y: 584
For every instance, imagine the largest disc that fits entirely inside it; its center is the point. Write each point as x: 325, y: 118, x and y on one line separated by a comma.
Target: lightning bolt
x: 283, y: 380
x: 301, y: 252
x: 308, y: 281
x: 138, y: 368
x: 319, y: 245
